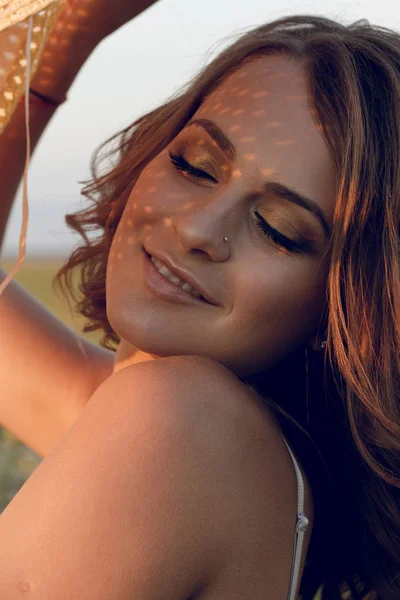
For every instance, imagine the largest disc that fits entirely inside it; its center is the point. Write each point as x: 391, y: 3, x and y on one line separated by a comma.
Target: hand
x: 99, y: 18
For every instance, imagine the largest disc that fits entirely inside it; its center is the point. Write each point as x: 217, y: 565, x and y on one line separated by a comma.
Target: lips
x: 183, y: 274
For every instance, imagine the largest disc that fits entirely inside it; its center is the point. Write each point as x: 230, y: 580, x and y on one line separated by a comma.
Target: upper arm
x: 47, y: 371
x: 123, y: 506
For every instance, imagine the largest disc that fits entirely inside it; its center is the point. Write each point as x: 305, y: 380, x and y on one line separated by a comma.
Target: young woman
x: 268, y: 190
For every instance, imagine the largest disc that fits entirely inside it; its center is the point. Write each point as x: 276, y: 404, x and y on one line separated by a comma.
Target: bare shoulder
x: 202, y: 381
x: 215, y: 409
x: 199, y: 392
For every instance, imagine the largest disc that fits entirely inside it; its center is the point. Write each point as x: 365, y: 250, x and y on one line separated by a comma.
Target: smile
x: 161, y: 268
x: 156, y: 277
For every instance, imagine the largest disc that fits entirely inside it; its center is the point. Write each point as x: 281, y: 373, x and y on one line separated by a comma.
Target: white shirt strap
x: 301, y: 528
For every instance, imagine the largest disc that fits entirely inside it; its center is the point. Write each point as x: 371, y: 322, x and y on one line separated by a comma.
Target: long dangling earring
x: 307, y: 409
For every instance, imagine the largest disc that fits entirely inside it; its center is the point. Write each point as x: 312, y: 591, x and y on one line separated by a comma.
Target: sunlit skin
x: 270, y: 300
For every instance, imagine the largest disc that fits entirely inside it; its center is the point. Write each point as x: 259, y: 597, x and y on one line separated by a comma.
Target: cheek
x: 286, y: 298
x: 157, y: 191
x: 123, y: 237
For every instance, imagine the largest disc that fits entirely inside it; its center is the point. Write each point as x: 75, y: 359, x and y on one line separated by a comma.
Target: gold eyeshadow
x: 200, y: 159
x: 288, y: 220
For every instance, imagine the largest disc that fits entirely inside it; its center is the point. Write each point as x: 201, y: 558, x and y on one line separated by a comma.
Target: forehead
x: 266, y: 110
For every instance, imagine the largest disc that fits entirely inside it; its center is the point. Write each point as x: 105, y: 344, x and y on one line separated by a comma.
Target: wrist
x: 62, y: 58
x: 35, y: 98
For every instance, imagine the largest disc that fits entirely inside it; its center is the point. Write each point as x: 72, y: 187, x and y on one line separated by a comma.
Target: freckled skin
x: 270, y: 301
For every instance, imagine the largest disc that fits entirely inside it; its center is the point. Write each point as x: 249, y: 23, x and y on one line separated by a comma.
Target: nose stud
x: 225, y: 239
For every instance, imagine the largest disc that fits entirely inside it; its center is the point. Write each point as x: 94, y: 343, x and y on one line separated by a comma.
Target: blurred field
x: 36, y: 275
x: 17, y: 462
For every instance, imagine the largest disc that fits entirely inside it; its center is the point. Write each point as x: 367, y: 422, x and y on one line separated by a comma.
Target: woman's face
x: 256, y: 138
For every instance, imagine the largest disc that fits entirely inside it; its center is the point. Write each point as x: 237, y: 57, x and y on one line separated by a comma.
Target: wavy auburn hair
x: 354, y: 80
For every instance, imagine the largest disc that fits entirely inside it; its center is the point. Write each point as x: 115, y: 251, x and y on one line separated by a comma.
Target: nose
x: 206, y: 227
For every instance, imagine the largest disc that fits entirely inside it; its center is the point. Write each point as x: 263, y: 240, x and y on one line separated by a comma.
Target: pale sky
x: 129, y: 74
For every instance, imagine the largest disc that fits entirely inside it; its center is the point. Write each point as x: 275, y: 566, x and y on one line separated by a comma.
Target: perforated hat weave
x: 14, y: 18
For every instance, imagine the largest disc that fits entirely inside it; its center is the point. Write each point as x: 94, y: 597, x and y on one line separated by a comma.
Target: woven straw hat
x: 22, y: 21
x: 14, y: 19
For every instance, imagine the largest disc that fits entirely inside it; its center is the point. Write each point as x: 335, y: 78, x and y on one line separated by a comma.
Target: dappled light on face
x: 267, y: 172
x: 220, y: 92
x: 251, y: 113
x: 148, y: 238
x: 167, y: 221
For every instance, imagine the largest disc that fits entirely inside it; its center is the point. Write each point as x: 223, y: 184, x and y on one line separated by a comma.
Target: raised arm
x: 45, y: 380
x: 47, y: 372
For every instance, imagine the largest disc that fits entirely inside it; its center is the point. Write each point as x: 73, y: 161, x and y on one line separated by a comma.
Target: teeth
x: 161, y: 268
x: 174, y: 279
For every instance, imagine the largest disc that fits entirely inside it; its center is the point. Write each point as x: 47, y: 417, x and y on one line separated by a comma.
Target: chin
x: 136, y: 338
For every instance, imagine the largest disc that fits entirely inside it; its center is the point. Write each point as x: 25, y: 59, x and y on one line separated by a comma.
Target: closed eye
x: 276, y: 237
x: 182, y: 165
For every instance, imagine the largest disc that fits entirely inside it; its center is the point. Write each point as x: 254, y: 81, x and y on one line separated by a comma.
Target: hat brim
x: 15, y: 11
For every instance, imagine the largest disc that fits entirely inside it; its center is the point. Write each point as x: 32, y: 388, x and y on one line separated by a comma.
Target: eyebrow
x: 272, y: 187
x: 282, y: 191
x: 217, y: 135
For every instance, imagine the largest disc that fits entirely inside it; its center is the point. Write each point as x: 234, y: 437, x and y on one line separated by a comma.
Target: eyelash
x: 181, y: 164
